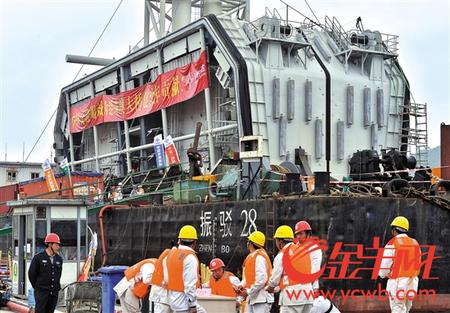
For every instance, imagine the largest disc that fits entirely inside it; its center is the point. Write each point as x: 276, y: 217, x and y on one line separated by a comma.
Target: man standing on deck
x: 398, y: 265
x: 181, y: 273
x: 45, y: 274
x: 256, y: 273
x: 293, y: 295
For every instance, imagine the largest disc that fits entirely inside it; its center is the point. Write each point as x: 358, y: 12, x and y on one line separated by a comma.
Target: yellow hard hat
x: 188, y: 232
x: 257, y: 238
x: 401, y: 221
x: 284, y: 232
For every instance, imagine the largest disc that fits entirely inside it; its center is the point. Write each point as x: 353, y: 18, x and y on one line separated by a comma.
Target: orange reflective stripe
x: 158, y: 274
x: 302, y: 264
x: 222, y: 286
x: 406, y: 262
x: 175, y: 260
x: 250, y: 266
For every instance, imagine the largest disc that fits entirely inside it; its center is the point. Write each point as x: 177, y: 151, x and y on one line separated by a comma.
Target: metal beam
x: 146, y: 23
x: 153, y: 19
x: 143, y: 164
x: 212, y: 154
x: 162, y: 21
x: 154, y: 7
x: 81, y: 59
x: 125, y: 123
x: 247, y: 10
x: 71, y: 150
x: 181, y: 13
x: 97, y: 164
x: 233, y: 10
x: 150, y: 145
x: 163, y: 111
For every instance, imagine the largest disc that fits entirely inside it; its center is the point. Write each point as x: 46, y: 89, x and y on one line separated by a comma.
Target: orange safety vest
x: 175, y: 260
x: 250, y: 266
x: 301, y: 264
x: 406, y: 262
x: 140, y: 289
x: 222, y: 286
x: 158, y: 274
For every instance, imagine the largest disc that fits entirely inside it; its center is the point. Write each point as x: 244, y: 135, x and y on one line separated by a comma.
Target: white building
x: 15, y: 172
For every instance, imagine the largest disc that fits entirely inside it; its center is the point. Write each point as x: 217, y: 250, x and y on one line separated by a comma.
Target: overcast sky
x: 36, y: 35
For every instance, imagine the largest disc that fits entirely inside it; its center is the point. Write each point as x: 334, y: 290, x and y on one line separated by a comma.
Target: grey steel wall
x: 144, y: 232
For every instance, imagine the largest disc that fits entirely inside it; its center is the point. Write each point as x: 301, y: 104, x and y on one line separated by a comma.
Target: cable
x: 42, y: 132
x: 306, y: 18
x: 318, y: 21
x: 98, y: 39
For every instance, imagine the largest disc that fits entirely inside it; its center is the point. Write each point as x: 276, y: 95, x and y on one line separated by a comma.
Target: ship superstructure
x: 291, y: 84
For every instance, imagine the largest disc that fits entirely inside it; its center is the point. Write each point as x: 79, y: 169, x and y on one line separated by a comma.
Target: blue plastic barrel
x: 111, y: 275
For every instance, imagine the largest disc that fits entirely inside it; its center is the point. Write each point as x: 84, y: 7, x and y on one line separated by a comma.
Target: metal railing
x: 390, y: 42
x: 337, y: 33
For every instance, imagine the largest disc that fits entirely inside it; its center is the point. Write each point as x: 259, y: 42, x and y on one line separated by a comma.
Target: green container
x: 271, y: 183
x: 190, y: 191
x: 346, y: 186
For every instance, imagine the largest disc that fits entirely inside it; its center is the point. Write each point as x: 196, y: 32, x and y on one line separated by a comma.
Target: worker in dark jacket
x: 44, y: 274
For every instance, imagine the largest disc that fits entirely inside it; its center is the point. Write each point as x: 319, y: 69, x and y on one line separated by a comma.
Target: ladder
x: 418, y: 139
x: 270, y: 228
x: 395, y: 109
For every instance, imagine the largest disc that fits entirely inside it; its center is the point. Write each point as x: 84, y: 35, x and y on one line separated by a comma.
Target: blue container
x: 111, y: 275
x: 95, y: 278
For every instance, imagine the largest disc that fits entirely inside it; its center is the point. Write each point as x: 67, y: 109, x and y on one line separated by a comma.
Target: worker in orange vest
x: 401, y: 268
x: 256, y: 273
x: 159, y: 302
x: 181, y: 273
x: 293, y: 295
x: 134, y: 285
x: 222, y: 283
x: 303, y: 233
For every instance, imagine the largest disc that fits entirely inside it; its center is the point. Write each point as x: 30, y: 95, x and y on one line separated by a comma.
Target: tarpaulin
x: 168, y: 89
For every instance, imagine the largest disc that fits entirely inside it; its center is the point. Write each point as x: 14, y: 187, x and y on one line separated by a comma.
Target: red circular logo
x: 297, y: 261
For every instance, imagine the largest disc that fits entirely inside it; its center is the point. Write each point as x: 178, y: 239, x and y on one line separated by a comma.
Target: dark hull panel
x: 134, y: 234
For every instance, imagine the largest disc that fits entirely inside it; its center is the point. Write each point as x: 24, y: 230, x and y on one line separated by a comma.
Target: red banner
x: 171, y: 151
x: 168, y: 89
